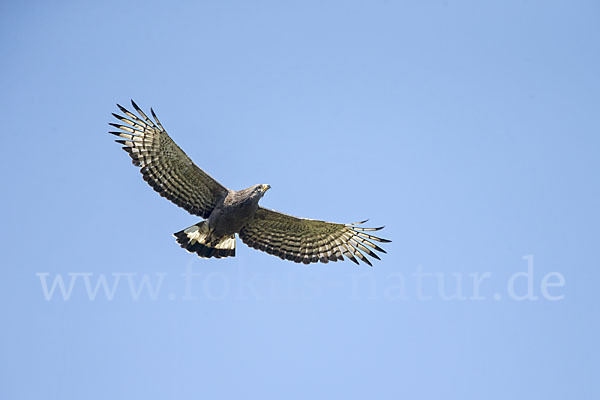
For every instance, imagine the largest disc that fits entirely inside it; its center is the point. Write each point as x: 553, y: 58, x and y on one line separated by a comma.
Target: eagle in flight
x: 226, y: 212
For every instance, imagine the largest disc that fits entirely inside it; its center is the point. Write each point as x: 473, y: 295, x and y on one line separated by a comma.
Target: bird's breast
x: 227, y: 220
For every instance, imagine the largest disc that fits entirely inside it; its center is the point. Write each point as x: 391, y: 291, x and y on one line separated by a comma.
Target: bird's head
x: 253, y: 194
x: 260, y: 190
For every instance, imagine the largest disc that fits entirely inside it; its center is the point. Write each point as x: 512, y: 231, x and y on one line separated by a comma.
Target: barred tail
x: 195, y: 239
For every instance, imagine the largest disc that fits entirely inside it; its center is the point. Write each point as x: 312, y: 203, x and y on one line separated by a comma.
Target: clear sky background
x: 469, y: 128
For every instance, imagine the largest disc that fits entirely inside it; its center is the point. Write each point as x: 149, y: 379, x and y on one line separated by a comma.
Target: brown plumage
x: 228, y: 212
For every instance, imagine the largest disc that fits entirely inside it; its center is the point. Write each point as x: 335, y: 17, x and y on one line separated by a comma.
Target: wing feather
x: 307, y: 241
x: 165, y: 167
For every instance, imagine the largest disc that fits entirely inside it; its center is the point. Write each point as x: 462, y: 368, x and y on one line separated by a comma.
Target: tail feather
x: 196, y: 239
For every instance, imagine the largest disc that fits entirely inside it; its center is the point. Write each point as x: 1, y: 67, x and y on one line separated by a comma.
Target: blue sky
x: 469, y: 129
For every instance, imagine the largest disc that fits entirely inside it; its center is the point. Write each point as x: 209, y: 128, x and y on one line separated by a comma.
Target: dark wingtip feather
x: 352, y: 258
x: 356, y: 228
x: 123, y: 109
x: 156, y: 118
x: 137, y: 108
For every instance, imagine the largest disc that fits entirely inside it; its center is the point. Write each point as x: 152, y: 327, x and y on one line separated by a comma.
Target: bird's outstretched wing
x: 165, y: 166
x: 307, y: 240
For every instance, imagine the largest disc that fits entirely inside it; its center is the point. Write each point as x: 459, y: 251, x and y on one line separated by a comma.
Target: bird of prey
x: 229, y: 212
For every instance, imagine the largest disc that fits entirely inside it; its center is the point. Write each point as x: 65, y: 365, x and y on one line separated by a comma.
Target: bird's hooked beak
x: 265, y: 188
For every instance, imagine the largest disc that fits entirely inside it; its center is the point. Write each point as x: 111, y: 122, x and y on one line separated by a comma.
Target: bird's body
x: 235, y: 210
x: 215, y: 237
x: 227, y: 212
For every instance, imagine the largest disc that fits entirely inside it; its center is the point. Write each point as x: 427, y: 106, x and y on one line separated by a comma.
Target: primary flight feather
x: 228, y: 212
